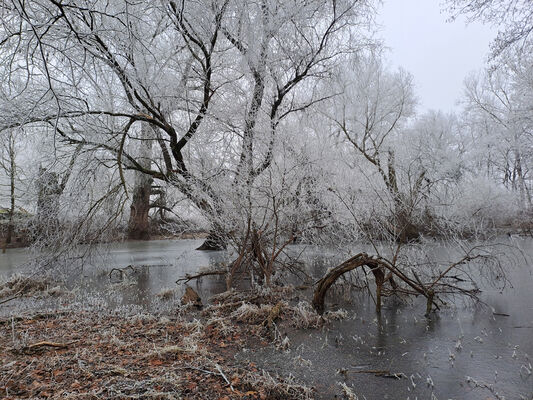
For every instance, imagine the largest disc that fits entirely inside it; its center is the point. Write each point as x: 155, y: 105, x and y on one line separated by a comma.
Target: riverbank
x: 20, y: 241
x: 92, y: 356
x: 521, y: 226
x: 189, y: 353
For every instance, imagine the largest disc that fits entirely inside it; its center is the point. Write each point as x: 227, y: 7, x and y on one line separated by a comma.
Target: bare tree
x: 514, y: 17
x: 498, y: 110
x: 9, y: 165
x: 370, y: 115
x: 129, y: 75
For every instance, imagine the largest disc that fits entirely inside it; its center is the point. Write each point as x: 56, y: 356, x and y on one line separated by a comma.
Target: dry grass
x: 167, y: 294
x: 112, y: 356
x: 254, y: 308
x: 187, y: 355
x: 20, y: 285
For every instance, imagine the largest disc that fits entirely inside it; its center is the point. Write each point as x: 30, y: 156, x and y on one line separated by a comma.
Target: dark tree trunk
x: 214, y: 241
x: 139, y: 223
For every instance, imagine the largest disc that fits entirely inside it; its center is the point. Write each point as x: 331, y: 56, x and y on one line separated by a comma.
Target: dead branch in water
x: 379, y: 267
x: 121, y: 271
x: 187, y: 278
x: 384, y: 373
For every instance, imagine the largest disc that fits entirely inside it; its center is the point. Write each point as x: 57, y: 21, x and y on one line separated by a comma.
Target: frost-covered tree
x: 498, y: 111
x: 370, y: 116
x: 213, y: 79
x: 513, y: 17
x: 8, y: 163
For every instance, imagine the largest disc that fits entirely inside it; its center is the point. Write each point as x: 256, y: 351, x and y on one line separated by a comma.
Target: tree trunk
x: 214, y: 241
x: 12, y: 175
x: 139, y: 222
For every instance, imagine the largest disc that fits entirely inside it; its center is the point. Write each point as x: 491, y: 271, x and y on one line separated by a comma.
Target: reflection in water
x: 436, y: 355
x: 157, y: 266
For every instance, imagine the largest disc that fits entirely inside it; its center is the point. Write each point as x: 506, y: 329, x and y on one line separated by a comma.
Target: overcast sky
x: 439, y: 54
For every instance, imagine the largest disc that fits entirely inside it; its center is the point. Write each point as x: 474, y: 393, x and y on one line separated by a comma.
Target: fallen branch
x: 44, y: 344
x: 454, y: 277
x: 384, y: 373
x: 19, y: 294
x: 378, y: 266
x: 224, y: 376
x: 121, y: 271
x: 219, y: 373
x: 357, y: 261
x: 205, y: 371
x: 189, y: 277
x: 501, y: 314
x: 50, y: 344
x: 463, y: 260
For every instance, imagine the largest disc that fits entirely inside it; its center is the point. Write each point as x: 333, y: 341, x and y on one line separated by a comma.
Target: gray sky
x: 439, y: 54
